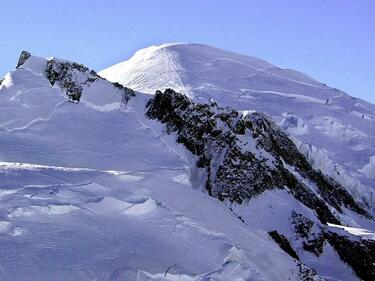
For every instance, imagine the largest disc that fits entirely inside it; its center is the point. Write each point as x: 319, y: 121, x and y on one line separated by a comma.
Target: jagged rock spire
x: 23, y: 57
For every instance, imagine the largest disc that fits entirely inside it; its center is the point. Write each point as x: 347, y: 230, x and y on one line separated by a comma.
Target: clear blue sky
x: 333, y: 41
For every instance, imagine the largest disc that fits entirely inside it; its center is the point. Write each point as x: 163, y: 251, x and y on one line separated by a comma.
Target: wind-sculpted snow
x: 335, y: 131
x: 68, y: 224
x: 96, y: 190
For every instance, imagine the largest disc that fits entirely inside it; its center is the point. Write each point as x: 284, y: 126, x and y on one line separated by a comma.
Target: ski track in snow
x: 296, y: 96
x: 211, y: 73
x: 34, y: 121
x: 174, y: 69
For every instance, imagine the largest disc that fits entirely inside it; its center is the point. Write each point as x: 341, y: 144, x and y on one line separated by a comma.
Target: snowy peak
x: 72, y: 78
x: 335, y: 131
x: 205, y: 175
x: 244, y: 155
x: 180, y: 65
x: 34, y: 92
x: 23, y: 57
x: 34, y: 64
x: 148, y: 70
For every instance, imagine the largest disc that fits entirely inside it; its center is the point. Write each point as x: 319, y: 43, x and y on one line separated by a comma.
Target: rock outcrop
x: 358, y: 253
x: 73, y: 77
x: 23, y: 57
x: 244, y: 155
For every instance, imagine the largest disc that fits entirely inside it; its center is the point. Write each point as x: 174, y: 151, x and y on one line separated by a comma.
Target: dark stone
x: 126, y: 93
x: 73, y: 77
x: 358, y: 253
x: 64, y: 74
x: 275, y: 141
x: 283, y: 243
x: 199, y: 127
x: 308, y: 274
x: 213, y: 134
x: 23, y: 57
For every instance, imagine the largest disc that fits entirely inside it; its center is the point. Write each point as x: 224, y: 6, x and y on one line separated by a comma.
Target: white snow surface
x: 96, y: 191
x: 334, y: 130
x: 356, y: 231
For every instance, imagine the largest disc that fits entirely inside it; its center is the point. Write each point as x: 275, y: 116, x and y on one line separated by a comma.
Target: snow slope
x: 95, y: 191
x: 334, y: 130
x: 80, y: 224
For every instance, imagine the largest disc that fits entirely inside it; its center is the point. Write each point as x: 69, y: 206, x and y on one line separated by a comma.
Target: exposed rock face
x: 69, y: 76
x: 276, y: 142
x: 308, y: 232
x: 308, y: 274
x: 358, y: 253
x: 23, y: 57
x: 245, y: 155
x: 305, y: 272
x: 283, y: 243
x: 126, y: 93
x: 73, y: 77
x: 212, y: 134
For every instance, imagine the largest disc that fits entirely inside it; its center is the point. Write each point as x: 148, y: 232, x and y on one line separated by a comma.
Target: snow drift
x: 102, y: 182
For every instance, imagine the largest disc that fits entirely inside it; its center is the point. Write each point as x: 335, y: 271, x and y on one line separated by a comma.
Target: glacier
x: 338, y: 132
x: 96, y: 190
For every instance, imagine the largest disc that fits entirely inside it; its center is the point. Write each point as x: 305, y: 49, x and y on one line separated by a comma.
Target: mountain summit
x: 334, y: 130
x: 186, y: 162
x: 187, y: 67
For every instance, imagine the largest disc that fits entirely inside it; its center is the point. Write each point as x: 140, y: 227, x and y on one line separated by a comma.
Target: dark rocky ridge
x: 245, y: 155
x: 66, y: 75
x: 358, y: 253
x: 73, y: 77
x: 220, y: 139
x: 308, y: 274
x: 305, y: 273
x: 283, y: 243
x: 276, y: 142
x: 23, y: 57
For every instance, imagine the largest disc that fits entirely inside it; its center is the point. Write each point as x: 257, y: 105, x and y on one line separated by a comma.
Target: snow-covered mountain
x: 100, y: 182
x: 334, y: 130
